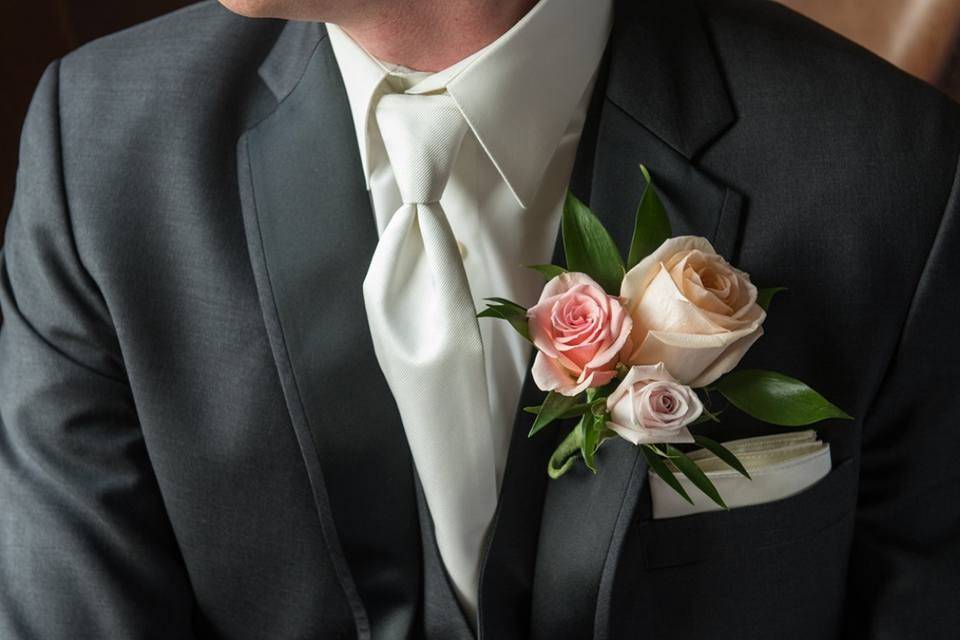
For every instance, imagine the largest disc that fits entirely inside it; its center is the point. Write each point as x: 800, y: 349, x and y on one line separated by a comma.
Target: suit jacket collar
x: 310, y: 230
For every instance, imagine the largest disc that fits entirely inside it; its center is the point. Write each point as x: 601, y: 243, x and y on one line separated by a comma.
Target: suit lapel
x: 311, y: 233
x: 665, y: 102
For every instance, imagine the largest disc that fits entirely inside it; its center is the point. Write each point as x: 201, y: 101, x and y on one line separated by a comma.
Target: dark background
x: 35, y: 32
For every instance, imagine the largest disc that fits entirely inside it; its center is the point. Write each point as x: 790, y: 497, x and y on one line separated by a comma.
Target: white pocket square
x: 781, y: 465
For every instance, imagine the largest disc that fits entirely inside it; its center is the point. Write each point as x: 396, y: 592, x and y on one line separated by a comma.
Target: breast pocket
x: 773, y: 570
x: 713, y: 535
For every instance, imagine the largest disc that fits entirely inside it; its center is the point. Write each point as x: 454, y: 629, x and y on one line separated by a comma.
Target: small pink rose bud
x: 651, y: 406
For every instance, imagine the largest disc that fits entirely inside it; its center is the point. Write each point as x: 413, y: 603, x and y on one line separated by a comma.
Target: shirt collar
x: 517, y: 94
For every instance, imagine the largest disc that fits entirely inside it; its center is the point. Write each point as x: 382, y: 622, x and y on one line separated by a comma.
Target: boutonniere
x: 641, y: 349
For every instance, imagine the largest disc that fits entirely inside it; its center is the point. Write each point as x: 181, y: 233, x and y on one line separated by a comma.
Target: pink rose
x: 651, y: 406
x: 691, y: 310
x: 579, y: 331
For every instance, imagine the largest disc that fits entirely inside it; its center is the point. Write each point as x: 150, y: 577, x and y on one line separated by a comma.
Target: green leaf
x: 589, y: 248
x: 655, y: 449
x: 606, y: 434
x: 707, y: 416
x: 778, y: 399
x: 592, y: 426
x: 655, y: 462
x: 554, y: 407
x: 564, y: 455
x: 695, y: 474
x: 723, y: 453
x: 652, y: 226
x: 548, y: 271
x: 509, y: 304
x: 494, y: 311
x: 764, y: 296
x: 586, y: 452
x: 574, y: 411
x: 511, y: 312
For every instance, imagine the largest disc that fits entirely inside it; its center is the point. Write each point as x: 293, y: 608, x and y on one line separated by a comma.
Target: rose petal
x: 636, y: 280
x: 728, y: 360
x: 566, y: 281
x: 689, y: 357
x: 645, y: 436
x: 550, y: 376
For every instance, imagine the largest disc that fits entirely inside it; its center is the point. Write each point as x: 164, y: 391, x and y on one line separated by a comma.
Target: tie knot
x: 422, y: 135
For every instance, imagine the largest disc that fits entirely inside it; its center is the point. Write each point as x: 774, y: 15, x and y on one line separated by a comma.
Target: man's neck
x: 430, y: 35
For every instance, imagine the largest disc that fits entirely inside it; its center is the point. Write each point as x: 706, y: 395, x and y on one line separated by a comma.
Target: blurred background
x: 920, y: 36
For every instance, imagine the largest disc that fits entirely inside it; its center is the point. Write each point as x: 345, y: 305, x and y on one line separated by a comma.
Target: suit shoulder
x: 832, y: 104
x: 781, y: 61
x: 193, y: 52
x: 145, y: 111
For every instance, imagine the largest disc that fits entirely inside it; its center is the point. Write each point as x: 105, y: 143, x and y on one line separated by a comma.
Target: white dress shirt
x: 525, y: 98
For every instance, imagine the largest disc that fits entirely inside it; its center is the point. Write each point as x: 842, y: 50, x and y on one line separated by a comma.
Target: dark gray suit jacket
x: 195, y: 437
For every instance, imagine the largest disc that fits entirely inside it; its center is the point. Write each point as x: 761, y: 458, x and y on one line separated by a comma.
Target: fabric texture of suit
x: 196, y: 440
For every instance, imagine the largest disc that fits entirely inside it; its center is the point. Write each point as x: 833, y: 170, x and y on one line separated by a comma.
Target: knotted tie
x: 426, y: 337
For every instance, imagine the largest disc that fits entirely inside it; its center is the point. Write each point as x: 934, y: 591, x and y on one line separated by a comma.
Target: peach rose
x: 579, y: 331
x: 691, y: 311
x: 651, y: 406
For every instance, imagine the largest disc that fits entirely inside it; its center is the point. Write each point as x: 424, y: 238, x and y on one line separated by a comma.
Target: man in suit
x: 207, y: 425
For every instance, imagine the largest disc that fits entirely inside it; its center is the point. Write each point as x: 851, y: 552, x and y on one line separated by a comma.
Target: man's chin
x: 255, y: 8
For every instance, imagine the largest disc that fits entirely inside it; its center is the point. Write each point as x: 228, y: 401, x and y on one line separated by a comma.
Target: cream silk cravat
x: 426, y: 336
